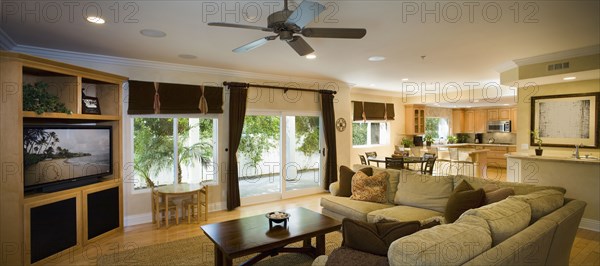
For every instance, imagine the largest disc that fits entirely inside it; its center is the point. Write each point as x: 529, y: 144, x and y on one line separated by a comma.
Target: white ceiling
x: 469, y: 47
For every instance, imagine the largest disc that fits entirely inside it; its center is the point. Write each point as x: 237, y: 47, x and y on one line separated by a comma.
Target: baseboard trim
x: 589, y: 224
x: 144, y: 218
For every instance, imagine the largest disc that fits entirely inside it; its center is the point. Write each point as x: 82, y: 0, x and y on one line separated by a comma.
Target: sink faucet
x: 577, y: 150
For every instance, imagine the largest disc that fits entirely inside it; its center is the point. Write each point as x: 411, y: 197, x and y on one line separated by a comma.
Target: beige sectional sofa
x: 536, y: 226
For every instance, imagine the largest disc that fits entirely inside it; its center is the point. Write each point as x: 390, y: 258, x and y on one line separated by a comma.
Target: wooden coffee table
x: 250, y: 235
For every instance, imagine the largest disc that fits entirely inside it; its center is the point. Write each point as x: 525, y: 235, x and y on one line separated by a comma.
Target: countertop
x: 474, y: 144
x: 527, y: 156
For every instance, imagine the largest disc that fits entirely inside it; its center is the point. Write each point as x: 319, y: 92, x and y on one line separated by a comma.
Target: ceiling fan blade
x: 306, y: 12
x: 255, y: 44
x: 347, y: 33
x: 300, y: 46
x: 231, y: 25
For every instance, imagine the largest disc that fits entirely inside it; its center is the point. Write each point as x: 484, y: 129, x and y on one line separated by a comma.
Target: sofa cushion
x: 344, y: 256
x: 352, y: 209
x: 505, y: 218
x: 369, y: 188
x: 345, y: 181
x: 448, y: 244
x: 401, y: 213
x: 542, y: 202
x: 495, y: 193
x: 423, y: 191
x: 375, y: 238
x: 463, y: 198
x: 519, y: 188
x: 392, y: 182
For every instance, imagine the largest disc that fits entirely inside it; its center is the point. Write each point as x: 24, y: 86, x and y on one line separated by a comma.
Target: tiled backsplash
x: 510, y: 138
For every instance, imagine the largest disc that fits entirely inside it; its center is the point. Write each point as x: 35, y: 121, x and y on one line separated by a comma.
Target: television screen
x: 55, y: 154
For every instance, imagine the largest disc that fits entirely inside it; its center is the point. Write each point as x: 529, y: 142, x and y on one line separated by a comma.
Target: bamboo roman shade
x: 373, y: 111
x: 173, y: 98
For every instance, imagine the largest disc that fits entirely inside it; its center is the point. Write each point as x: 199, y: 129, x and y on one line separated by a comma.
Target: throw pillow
x: 375, y: 238
x: 369, y: 188
x: 345, y: 180
x: 498, y: 194
x: 463, y: 198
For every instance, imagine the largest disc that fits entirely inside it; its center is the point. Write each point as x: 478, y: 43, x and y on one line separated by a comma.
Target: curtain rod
x: 285, y: 89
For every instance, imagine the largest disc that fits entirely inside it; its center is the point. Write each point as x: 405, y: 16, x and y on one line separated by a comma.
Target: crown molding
x: 70, y: 56
x: 6, y: 43
x: 506, y: 66
x: 589, y: 50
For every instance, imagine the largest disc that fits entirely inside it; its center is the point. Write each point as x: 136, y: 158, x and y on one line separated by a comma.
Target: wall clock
x: 340, y: 124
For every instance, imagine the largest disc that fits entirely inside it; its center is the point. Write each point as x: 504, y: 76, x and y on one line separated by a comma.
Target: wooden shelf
x: 30, y: 114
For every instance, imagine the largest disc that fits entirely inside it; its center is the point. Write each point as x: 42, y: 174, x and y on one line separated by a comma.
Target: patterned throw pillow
x: 369, y: 188
x: 345, y: 180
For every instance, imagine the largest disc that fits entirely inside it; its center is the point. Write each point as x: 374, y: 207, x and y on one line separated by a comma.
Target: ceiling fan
x: 286, y: 23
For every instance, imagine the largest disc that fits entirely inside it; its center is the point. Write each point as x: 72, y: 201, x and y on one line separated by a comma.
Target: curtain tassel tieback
x: 203, y: 104
x: 156, y: 99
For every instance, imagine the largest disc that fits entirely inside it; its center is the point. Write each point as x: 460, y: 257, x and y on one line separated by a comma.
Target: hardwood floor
x: 586, y: 249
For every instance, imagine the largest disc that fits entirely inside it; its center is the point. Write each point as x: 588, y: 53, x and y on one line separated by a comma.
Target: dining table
x: 180, y: 190
x: 406, y: 160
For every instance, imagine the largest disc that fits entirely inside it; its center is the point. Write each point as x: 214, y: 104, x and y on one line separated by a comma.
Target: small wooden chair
x: 394, y: 163
x: 363, y: 160
x: 371, y: 154
x: 159, y: 207
x: 193, y: 204
x: 427, y: 167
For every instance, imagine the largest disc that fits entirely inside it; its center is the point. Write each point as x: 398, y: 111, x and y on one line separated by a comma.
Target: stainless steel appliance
x: 498, y: 126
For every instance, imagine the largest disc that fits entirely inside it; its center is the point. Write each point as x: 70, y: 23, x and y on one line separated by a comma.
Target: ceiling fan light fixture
x: 153, y: 33
x: 311, y: 56
x: 376, y: 58
x: 95, y: 20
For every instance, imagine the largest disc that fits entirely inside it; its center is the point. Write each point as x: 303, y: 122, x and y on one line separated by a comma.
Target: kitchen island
x: 581, y: 178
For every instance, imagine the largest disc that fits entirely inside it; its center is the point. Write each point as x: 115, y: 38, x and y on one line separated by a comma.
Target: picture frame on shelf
x: 90, y: 105
x: 566, y: 120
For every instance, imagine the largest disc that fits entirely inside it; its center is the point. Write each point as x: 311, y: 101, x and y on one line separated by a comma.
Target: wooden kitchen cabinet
x: 415, y: 119
x: 504, y: 114
x: 480, y: 120
x: 469, y: 126
x: 513, y: 119
x: 458, y: 121
x: 492, y: 114
x: 498, y: 114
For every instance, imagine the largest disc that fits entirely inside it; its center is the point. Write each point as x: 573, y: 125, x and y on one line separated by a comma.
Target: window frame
x: 385, y: 138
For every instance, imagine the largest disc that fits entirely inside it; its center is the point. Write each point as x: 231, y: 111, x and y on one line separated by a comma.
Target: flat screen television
x: 57, y: 157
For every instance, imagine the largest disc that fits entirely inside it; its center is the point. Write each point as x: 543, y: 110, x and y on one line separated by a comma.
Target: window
x: 168, y: 150
x: 437, y: 127
x: 370, y: 133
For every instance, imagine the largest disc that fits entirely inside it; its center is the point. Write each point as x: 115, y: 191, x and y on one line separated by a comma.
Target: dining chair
x: 458, y: 164
x: 370, y: 154
x: 394, y: 163
x: 193, y: 204
x: 159, y: 209
x: 426, y: 156
x: 363, y: 160
x: 427, y: 167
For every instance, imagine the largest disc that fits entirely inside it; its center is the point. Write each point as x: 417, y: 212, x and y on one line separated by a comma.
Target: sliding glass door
x: 279, y: 157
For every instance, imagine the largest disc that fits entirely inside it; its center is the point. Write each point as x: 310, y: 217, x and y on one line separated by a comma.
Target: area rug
x: 199, y: 250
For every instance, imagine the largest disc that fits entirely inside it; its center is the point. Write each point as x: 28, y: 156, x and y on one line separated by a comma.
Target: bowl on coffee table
x: 277, y: 217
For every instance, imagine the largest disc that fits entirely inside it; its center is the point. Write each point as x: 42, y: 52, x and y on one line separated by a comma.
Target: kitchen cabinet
x: 496, y: 156
x: 498, y: 114
x: 492, y: 114
x: 513, y: 119
x: 458, y: 121
x: 414, y: 119
x: 469, y: 122
x: 504, y: 114
x: 480, y: 120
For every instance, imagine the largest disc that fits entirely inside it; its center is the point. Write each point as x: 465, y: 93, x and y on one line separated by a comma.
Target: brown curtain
x: 237, y: 113
x: 174, y: 98
x: 372, y: 111
x: 329, y: 132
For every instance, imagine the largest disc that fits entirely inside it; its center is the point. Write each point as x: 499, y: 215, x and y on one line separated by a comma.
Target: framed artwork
x: 90, y: 105
x: 566, y: 120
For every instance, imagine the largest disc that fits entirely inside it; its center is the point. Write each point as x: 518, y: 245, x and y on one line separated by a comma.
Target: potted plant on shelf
x: 406, y: 142
x: 536, y: 137
x: 428, y: 139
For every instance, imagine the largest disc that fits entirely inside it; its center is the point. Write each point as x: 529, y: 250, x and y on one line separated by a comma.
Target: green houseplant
x: 536, y: 137
x: 406, y: 142
x: 452, y: 139
x: 428, y: 138
x: 36, y: 98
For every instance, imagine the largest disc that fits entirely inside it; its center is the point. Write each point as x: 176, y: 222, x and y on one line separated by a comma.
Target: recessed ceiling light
x: 153, y: 33
x: 376, y: 58
x: 95, y: 20
x: 404, y: 79
x: 569, y: 78
x: 311, y: 56
x: 187, y: 56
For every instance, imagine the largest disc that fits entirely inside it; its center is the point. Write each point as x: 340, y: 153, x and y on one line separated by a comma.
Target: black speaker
x: 102, y: 211
x: 53, y: 228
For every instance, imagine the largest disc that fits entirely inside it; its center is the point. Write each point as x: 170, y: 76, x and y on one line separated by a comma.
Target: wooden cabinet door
x: 503, y: 114
x: 458, y: 121
x: 480, y: 121
x: 419, y: 121
x: 492, y: 114
x: 513, y: 119
x: 409, y: 120
x: 469, y: 122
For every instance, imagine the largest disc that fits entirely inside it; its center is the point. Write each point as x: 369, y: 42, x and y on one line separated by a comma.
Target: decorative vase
x: 538, y: 152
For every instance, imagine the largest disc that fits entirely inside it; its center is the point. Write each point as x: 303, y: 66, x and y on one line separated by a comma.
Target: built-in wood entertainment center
x: 36, y: 227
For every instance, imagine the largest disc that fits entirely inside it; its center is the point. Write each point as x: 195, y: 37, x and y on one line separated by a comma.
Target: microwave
x: 498, y: 126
